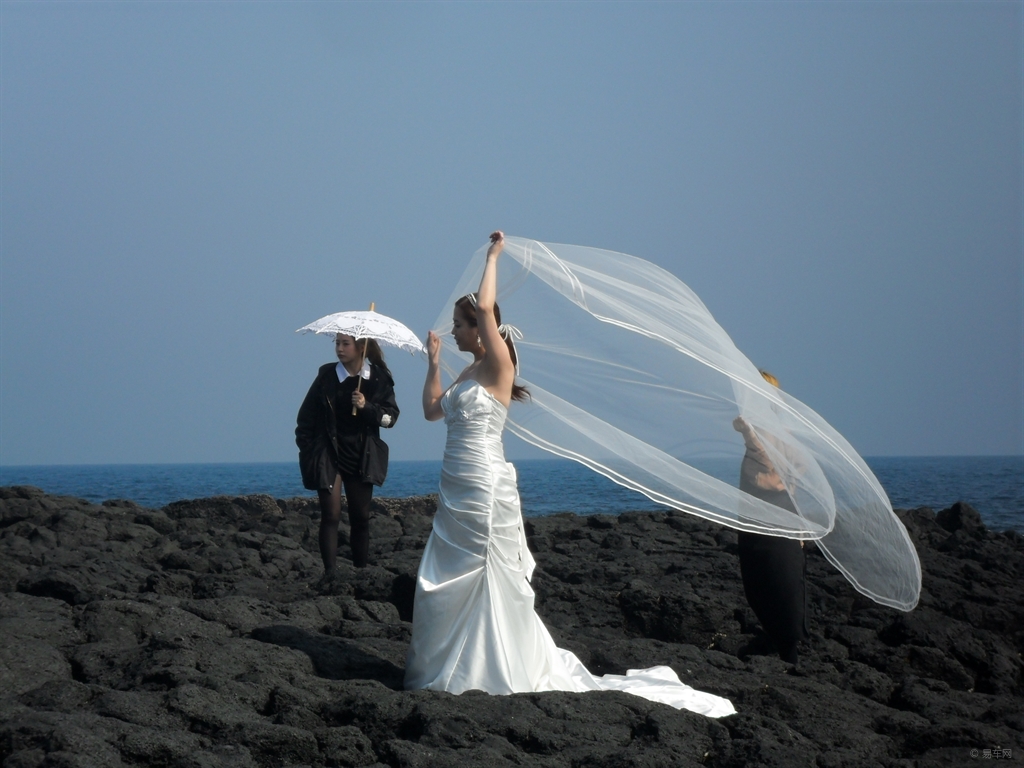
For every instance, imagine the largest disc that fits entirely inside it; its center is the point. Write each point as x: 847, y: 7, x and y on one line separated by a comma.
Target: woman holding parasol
x: 339, y: 422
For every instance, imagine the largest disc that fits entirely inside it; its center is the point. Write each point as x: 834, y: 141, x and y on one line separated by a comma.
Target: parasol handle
x: 359, y: 378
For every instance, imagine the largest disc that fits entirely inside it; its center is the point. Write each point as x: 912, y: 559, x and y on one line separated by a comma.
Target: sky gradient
x: 185, y: 184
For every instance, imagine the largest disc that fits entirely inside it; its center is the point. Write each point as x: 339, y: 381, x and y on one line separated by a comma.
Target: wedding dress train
x: 474, y: 624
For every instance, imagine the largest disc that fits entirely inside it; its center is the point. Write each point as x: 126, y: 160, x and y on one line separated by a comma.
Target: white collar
x: 344, y: 374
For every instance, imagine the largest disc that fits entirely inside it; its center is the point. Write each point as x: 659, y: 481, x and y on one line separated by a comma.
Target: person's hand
x: 433, y: 348
x: 741, y: 425
x: 358, y: 400
x: 769, y: 481
x: 497, y: 243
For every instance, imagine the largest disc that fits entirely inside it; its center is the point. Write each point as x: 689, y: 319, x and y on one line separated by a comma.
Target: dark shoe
x: 759, y: 646
x: 789, y: 655
x: 324, y: 582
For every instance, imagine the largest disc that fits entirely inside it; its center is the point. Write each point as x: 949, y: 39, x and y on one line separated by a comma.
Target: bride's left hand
x: 497, y: 243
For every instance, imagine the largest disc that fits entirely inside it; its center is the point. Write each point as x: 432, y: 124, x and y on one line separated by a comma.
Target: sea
x: 994, y: 485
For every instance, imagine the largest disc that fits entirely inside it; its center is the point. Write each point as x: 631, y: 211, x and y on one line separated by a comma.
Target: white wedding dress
x: 474, y: 624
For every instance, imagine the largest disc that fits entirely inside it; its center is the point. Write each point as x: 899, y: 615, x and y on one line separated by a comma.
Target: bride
x: 474, y: 624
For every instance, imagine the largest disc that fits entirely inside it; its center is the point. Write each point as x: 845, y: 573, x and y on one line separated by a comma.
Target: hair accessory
x: 471, y: 298
x: 511, y: 334
x: 507, y: 330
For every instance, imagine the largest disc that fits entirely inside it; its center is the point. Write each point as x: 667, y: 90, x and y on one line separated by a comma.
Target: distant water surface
x: 994, y: 485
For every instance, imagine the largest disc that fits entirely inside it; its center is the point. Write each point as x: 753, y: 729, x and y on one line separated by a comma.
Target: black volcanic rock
x: 191, y: 636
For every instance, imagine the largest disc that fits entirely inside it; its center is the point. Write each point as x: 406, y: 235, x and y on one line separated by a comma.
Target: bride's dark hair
x: 467, y: 305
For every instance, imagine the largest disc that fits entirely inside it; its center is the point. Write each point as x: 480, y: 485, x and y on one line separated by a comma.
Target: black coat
x: 330, y: 439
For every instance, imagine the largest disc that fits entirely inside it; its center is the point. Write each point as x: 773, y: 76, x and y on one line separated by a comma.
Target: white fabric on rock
x: 474, y: 624
x: 632, y: 377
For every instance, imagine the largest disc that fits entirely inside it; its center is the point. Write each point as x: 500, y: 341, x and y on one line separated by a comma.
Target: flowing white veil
x: 631, y: 376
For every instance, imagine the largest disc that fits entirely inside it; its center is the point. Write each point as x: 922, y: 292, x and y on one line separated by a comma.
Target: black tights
x: 358, y: 495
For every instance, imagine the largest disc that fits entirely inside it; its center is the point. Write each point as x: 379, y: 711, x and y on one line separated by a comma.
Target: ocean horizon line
x: 424, y: 461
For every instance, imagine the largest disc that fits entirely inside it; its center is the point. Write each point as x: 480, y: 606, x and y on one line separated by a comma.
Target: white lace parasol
x: 367, y: 325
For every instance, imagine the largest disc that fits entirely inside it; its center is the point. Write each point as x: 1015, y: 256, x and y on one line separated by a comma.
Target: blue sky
x: 185, y: 184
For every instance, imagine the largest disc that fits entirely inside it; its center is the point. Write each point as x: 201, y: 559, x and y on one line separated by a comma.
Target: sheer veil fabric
x: 632, y: 377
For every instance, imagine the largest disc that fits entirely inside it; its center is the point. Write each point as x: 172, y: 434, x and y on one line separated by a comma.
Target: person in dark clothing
x: 773, y: 568
x: 346, y: 405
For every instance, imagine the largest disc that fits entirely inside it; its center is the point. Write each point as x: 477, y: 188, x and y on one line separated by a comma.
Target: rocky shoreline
x: 190, y: 636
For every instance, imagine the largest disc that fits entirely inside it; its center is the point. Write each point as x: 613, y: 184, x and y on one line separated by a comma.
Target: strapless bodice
x: 468, y: 400
x: 474, y: 417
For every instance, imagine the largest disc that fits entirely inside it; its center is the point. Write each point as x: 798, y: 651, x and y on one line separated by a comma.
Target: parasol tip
x: 372, y: 305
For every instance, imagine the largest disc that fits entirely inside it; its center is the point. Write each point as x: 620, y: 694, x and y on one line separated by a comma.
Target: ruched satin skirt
x: 474, y: 623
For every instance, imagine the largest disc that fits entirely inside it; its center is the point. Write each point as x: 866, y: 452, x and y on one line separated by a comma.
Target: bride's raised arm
x: 497, y: 362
